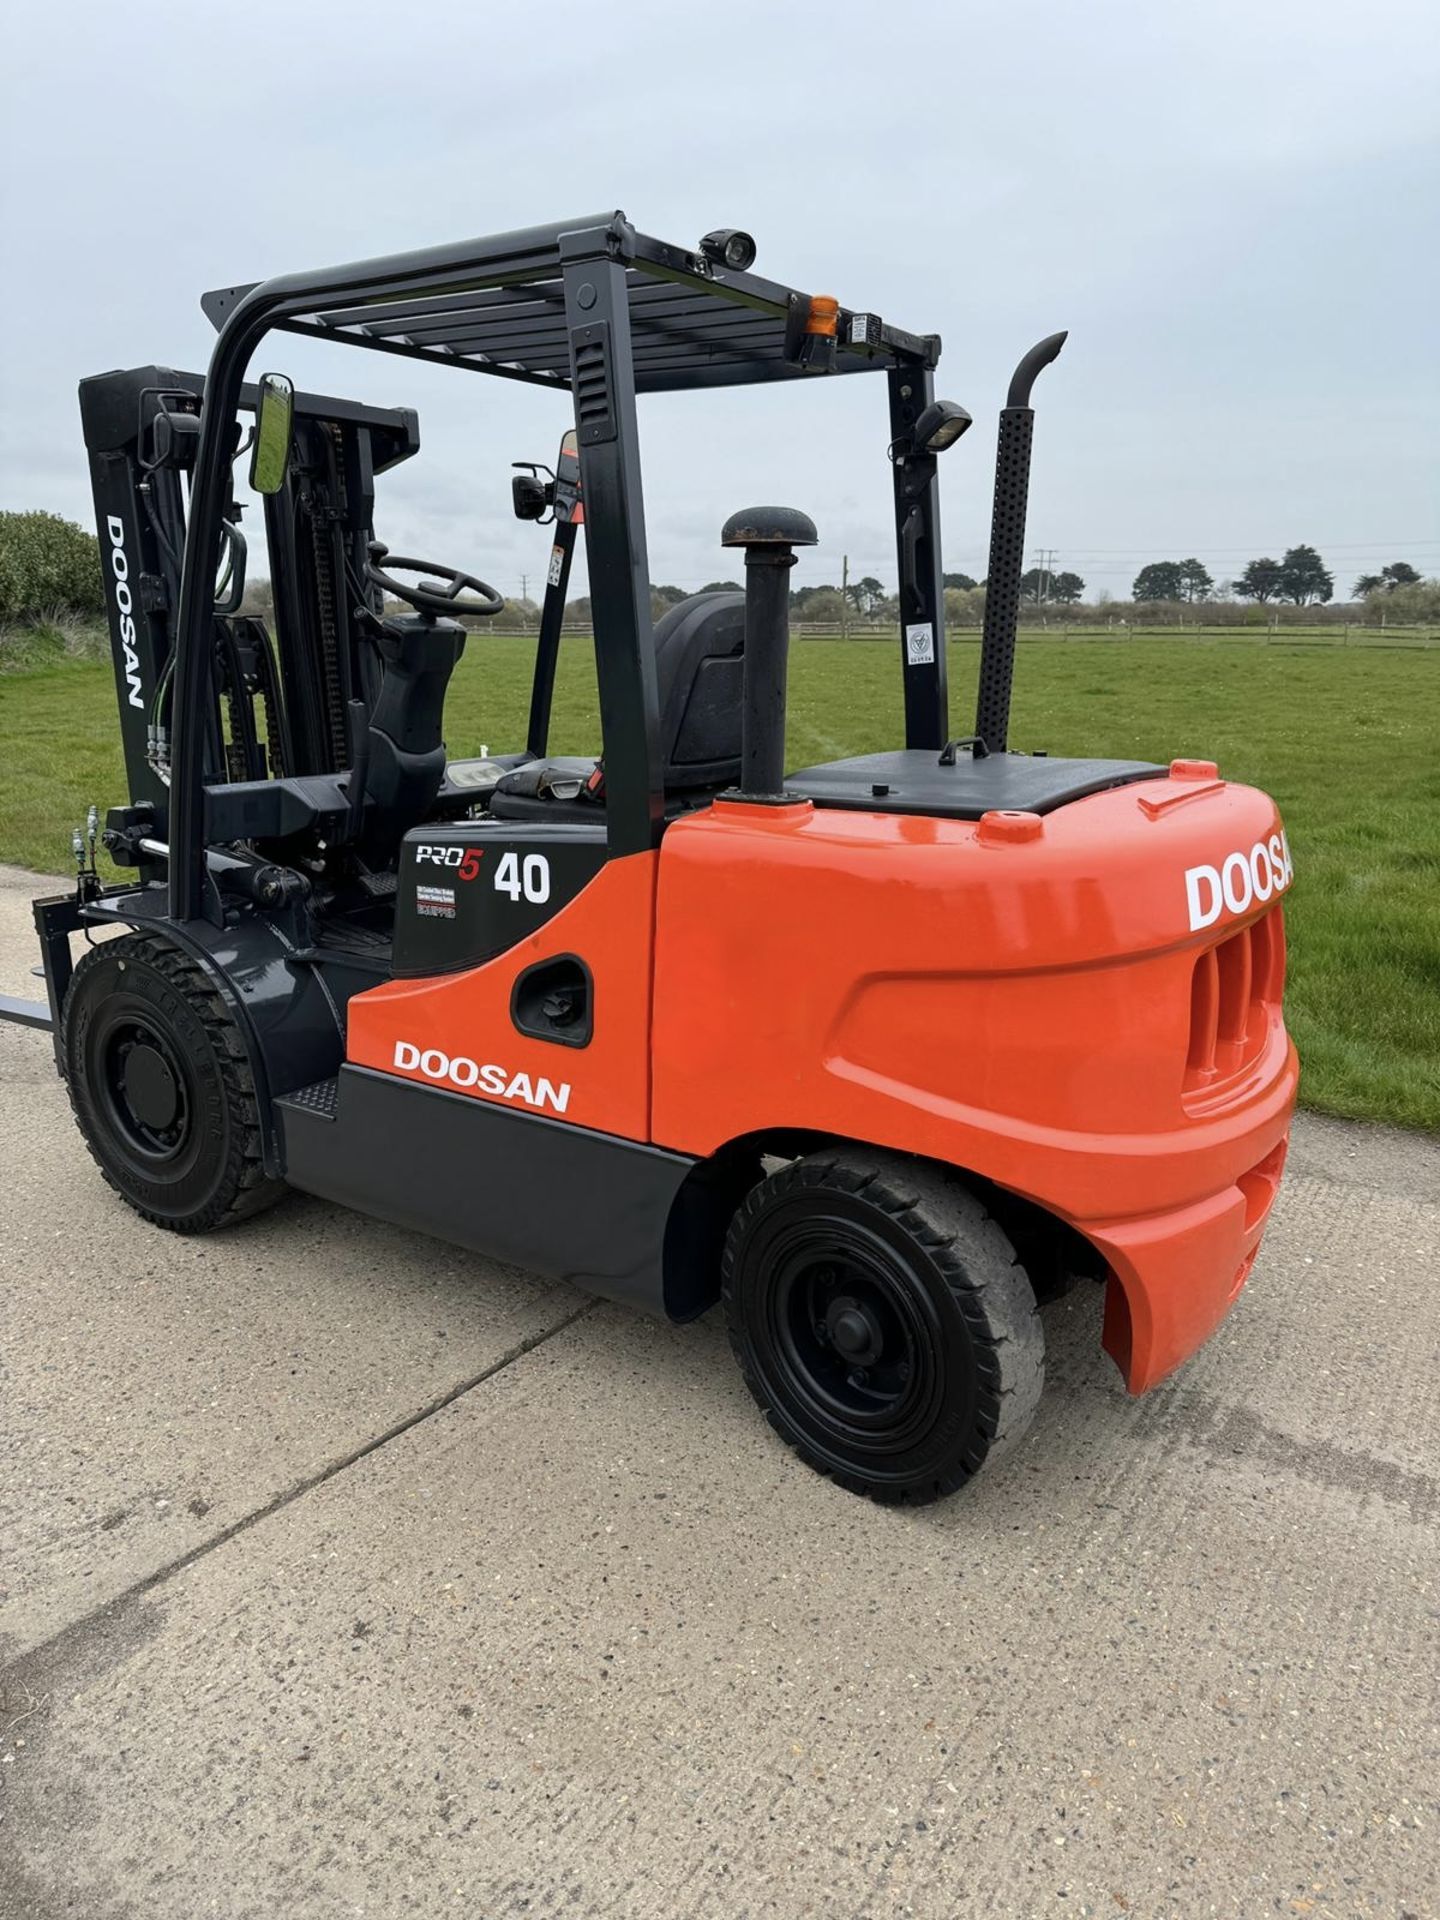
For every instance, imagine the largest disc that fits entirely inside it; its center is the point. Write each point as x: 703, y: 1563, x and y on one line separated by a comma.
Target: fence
x: 1336, y: 635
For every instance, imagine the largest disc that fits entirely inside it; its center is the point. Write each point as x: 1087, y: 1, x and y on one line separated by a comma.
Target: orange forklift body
x: 1022, y: 998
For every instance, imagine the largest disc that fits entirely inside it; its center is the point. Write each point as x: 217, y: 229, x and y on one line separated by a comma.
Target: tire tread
x: 247, y: 1188
x: 978, y: 1265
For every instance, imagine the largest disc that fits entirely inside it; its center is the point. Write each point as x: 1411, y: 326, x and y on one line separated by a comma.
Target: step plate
x: 319, y: 1098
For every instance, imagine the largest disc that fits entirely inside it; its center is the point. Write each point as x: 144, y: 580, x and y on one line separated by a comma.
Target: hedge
x: 47, y: 566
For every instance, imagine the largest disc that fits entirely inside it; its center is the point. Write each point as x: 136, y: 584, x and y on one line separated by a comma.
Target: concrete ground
x: 341, y: 1574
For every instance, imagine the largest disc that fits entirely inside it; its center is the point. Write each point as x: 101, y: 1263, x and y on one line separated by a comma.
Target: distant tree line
x: 1301, y: 578
x: 51, y: 567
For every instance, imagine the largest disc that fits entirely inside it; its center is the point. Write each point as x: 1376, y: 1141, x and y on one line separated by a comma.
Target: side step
x: 534, y: 1192
x: 320, y: 1099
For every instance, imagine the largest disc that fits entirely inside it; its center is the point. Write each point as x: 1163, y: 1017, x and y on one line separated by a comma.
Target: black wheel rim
x: 145, y: 1088
x: 854, y: 1343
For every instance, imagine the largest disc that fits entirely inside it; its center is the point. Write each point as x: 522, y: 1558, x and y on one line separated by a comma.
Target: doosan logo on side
x: 125, y: 608
x: 463, y: 1073
x: 1238, y: 882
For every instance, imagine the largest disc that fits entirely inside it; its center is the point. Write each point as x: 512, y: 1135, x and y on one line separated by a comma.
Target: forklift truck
x: 879, y: 1053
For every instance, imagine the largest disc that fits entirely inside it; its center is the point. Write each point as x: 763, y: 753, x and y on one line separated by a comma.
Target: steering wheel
x: 433, y: 595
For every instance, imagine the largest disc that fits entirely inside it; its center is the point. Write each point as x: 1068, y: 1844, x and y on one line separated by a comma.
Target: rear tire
x: 882, y: 1322
x: 161, y: 1086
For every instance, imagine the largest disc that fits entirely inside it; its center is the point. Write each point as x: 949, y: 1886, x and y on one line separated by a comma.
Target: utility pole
x: 845, y: 596
x: 1045, y: 565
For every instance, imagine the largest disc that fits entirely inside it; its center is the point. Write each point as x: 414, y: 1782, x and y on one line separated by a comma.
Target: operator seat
x: 404, y: 758
x: 398, y: 761
x: 699, y: 672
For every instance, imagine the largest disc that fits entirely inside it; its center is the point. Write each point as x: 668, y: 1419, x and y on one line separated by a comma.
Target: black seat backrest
x: 699, y: 674
x: 699, y: 671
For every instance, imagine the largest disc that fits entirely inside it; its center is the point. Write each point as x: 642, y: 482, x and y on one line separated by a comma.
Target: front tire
x: 882, y: 1322
x: 161, y: 1086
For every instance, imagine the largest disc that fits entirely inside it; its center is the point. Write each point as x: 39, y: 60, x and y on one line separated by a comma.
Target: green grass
x: 1344, y: 738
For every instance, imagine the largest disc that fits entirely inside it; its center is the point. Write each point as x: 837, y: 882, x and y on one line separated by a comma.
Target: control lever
x: 357, y: 729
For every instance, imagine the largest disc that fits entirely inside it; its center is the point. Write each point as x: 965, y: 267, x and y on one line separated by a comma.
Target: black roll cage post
x: 569, y: 515
x: 602, y: 372
x: 547, y: 641
x: 917, y: 540
x: 553, y: 306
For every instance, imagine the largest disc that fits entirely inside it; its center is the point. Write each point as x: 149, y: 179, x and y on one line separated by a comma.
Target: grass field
x: 1346, y: 740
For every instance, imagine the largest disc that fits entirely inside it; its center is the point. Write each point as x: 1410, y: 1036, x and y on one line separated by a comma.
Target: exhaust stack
x: 1007, y: 548
x: 769, y: 536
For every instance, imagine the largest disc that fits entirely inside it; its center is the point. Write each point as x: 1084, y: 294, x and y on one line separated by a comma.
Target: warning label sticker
x: 557, y: 562
x: 435, y: 903
x: 920, y: 645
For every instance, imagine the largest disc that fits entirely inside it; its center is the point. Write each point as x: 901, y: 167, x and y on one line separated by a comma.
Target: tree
x: 1420, y: 603
x: 1399, y: 573
x: 1161, y: 580
x: 962, y: 581
x: 259, y: 598
x: 822, y: 606
x: 802, y: 596
x: 47, y: 565
x: 723, y: 586
x: 1261, y: 581
x: 865, y: 594
x: 1195, y: 581
x: 964, y: 606
x: 1304, y: 577
x: 663, y: 598
x: 1042, y: 588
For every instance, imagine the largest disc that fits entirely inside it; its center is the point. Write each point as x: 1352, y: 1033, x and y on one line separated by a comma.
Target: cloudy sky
x: 1232, y: 207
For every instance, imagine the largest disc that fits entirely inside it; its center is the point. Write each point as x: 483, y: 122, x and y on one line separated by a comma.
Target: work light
x: 940, y: 425
x: 729, y: 247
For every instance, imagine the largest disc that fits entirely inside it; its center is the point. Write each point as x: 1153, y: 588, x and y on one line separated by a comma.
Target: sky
x: 1232, y: 207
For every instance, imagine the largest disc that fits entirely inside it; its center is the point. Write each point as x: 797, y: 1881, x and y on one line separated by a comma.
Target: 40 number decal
x: 528, y: 878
